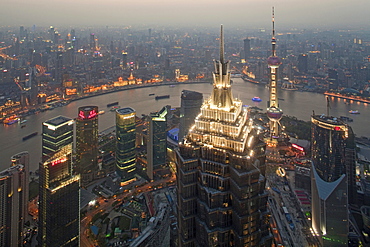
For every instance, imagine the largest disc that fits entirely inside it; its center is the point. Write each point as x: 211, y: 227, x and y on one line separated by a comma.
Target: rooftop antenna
x: 222, y: 45
x: 273, y: 40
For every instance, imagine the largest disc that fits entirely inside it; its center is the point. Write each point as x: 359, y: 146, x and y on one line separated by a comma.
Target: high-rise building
x: 125, y: 149
x: 332, y: 178
x: 59, y: 200
x: 274, y: 113
x: 220, y: 173
x: 14, y: 200
x: 59, y: 68
x: 157, y: 143
x: 191, y: 102
x: 87, y: 143
x: 93, y: 44
x: 247, y: 48
x: 56, y: 133
x: 302, y: 63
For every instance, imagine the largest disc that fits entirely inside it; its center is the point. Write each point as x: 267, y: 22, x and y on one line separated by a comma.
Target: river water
x: 295, y: 103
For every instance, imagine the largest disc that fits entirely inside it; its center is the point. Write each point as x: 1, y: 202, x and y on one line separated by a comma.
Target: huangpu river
x: 293, y: 103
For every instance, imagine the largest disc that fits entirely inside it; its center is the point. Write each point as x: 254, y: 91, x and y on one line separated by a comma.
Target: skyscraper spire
x: 222, y: 52
x: 221, y: 94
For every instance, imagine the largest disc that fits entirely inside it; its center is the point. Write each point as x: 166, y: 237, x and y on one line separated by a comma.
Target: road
x: 105, y: 205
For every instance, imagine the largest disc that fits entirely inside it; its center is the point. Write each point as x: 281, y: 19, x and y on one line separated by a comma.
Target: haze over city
x: 156, y: 123
x: 238, y: 13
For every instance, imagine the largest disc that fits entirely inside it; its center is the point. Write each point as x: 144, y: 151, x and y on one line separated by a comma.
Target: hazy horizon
x: 201, y: 13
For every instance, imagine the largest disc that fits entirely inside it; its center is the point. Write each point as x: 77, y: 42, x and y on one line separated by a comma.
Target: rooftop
x: 58, y: 120
x: 126, y: 110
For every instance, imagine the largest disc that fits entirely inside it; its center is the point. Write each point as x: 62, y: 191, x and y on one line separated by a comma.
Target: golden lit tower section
x: 274, y: 113
x: 221, y: 95
x: 221, y: 197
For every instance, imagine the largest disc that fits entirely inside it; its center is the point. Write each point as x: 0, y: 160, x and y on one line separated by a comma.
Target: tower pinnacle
x: 222, y: 52
x: 221, y: 95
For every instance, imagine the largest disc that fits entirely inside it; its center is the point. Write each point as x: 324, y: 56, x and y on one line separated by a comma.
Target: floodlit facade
x: 125, y: 149
x: 157, y: 144
x: 87, y: 143
x: 59, y: 200
x: 220, y: 173
x: 332, y: 179
x: 56, y: 133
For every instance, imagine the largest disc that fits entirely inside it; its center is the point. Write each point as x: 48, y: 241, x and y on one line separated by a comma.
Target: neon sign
x: 298, y: 147
x: 58, y: 161
x: 337, y: 128
x: 82, y: 115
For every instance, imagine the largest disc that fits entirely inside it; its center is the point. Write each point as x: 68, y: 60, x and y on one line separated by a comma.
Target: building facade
x: 14, y: 200
x: 56, y: 133
x: 191, y: 102
x: 220, y: 173
x: 59, y: 200
x: 332, y: 179
x: 87, y: 143
x: 125, y: 148
x: 157, y: 143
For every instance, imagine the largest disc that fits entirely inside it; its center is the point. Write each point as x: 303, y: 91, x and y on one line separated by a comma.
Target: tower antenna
x: 273, y: 40
x: 222, y: 45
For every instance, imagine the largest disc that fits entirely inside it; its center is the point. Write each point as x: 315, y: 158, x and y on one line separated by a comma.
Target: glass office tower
x: 125, y: 149
x: 332, y: 178
x: 87, y: 143
x: 157, y: 144
x: 59, y: 200
x: 56, y: 133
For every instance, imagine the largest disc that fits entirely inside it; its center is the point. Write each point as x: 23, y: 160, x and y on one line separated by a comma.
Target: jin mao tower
x: 220, y: 173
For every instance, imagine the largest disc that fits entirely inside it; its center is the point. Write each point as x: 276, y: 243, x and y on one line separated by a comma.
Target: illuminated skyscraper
x: 191, y: 102
x: 59, y: 200
x: 125, y: 149
x: 56, y: 133
x: 157, y: 144
x: 332, y: 179
x: 13, y: 200
x: 220, y: 173
x: 87, y: 143
x: 274, y: 113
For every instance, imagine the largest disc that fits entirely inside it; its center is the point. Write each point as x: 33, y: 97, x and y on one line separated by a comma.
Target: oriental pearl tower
x: 274, y: 113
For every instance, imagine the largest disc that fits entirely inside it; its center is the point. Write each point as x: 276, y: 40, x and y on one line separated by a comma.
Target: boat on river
x: 162, y: 97
x: 354, y: 112
x: 11, y: 120
x: 112, y: 104
x: 256, y: 99
x: 29, y: 136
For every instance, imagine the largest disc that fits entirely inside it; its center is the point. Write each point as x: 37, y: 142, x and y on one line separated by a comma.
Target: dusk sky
x: 239, y: 13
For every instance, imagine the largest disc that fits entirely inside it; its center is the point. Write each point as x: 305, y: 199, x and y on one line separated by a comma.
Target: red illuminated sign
x: 298, y: 147
x: 337, y: 128
x: 58, y: 161
x: 92, y: 114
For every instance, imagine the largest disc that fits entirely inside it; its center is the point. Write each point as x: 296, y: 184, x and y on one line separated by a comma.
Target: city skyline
x: 244, y: 14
